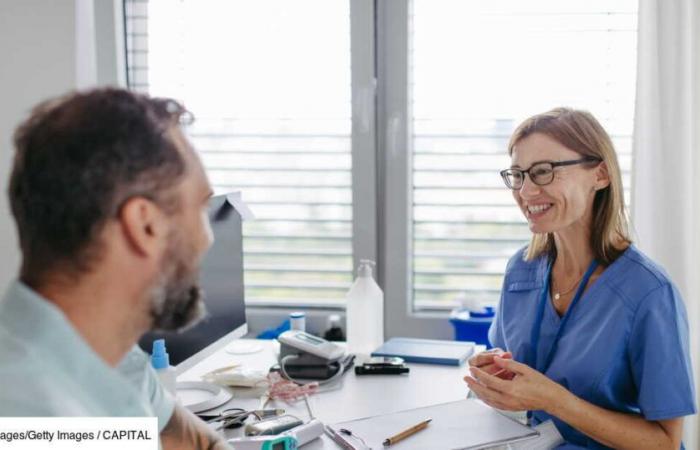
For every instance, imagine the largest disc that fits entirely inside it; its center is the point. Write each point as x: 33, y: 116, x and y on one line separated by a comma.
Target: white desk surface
x: 358, y: 396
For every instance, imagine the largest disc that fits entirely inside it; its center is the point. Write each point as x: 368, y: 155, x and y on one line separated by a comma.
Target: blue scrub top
x: 625, y: 347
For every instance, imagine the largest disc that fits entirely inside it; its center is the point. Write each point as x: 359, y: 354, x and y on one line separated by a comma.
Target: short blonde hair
x: 582, y: 133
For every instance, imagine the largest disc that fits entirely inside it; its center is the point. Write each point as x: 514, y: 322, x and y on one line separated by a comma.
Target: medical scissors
x: 234, y: 417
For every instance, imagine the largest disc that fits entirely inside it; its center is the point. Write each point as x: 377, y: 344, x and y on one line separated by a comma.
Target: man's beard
x: 177, y: 301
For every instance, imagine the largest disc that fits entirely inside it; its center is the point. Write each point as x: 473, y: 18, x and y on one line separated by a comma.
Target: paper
x: 235, y: 199
x: 548, y: 439
x: 464, y: 424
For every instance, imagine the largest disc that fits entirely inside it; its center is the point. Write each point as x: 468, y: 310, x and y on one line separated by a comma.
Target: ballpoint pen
x: 406, y: 433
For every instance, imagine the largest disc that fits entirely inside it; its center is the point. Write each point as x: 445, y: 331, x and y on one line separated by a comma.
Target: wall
x: 48, y: 48
x: 37, y: 44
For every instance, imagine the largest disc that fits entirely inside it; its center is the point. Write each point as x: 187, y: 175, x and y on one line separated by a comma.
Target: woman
x: 596, y: 333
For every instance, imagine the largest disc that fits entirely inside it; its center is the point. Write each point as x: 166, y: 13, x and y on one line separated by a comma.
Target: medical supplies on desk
x: 160, y: 360
x: 297, y: 321
x: 293, y: 438
x: 365, y: 312
x: 236, y: 375
x: 333, y: 330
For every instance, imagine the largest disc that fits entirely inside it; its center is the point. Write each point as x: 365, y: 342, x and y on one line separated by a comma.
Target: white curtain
x: 666, y: 168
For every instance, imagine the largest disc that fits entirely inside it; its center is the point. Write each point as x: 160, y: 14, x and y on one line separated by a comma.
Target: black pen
x: 368, y: 369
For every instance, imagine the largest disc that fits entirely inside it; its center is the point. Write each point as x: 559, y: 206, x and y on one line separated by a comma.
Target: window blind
x: 272, y: 104
x: 477, y: 69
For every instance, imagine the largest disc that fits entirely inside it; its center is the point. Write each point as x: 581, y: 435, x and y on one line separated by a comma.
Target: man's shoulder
x: 30, y: 397
x: 31, y: 386
x: 15, y: 354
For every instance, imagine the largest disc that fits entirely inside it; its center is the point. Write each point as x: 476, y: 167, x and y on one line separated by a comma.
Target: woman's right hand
x: 484, y: 361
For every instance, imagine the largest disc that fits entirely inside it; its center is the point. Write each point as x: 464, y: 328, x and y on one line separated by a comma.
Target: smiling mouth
x: 538, y: 209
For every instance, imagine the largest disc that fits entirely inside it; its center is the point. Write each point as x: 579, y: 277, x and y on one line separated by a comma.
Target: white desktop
x: 354, y: 397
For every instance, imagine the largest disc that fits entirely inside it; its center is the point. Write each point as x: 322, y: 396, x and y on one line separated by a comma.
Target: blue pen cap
x: 159, y: 356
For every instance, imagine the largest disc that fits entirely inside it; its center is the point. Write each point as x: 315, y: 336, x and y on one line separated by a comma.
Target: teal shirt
x: 47, y: 369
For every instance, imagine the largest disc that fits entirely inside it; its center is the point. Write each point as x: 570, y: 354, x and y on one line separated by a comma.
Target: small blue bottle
x: 160, y: 360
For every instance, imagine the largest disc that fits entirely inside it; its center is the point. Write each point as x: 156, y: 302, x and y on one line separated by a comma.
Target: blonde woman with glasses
x: 590, y: 332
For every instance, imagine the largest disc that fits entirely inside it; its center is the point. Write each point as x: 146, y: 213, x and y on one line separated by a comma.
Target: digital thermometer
x: 297, y: 437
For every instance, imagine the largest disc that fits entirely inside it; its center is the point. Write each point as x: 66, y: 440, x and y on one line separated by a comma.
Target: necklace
x: 558, y: 293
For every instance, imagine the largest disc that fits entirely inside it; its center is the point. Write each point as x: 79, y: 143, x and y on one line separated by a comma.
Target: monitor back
x: 221, y: 277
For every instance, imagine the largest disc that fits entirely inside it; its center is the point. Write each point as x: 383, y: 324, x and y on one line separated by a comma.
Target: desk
x: 359, y: 396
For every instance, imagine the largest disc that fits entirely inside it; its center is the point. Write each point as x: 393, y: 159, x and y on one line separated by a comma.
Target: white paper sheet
x: 464, y: 424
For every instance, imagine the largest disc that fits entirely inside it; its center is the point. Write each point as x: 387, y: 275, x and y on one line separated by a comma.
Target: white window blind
x: 269, y: 84
x: 477, y: 69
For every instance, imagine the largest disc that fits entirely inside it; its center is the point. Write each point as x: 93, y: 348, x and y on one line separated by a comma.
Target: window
x: 272, y: 103
x: 288, y: 114
x: 477, y: 70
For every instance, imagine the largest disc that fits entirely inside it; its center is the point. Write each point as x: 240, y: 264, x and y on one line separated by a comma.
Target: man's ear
x: 602, y: 177
x: 144, y: 225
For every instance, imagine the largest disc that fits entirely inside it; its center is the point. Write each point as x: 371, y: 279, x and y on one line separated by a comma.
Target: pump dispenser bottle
x: 160, y: 360
x: 365, y: 312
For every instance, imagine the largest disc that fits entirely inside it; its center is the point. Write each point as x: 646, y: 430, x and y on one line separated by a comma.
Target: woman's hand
x: 484, y: 361
x: 527, y: 390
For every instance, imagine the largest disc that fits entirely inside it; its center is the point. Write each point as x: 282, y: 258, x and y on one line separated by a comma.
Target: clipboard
x: 462, y: 425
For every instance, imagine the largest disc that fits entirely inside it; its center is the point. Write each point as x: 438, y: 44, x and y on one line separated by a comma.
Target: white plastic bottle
x: 297, y: 321
x: 365, y: 312
x: 160, y: 360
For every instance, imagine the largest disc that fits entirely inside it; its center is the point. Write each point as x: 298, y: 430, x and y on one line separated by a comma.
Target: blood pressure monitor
x: 308, y: 343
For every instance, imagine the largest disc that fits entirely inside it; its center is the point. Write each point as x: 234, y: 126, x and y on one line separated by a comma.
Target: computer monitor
x: 221, y: 278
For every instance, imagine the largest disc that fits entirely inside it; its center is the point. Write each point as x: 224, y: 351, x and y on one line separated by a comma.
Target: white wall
x: 37, y: 46
x: 48, y: 47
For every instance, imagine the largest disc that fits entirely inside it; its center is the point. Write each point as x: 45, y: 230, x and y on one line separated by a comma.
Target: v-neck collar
x: 608, y: 272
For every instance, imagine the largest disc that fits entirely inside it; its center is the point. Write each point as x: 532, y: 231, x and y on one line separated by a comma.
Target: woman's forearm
x: 616, y: 429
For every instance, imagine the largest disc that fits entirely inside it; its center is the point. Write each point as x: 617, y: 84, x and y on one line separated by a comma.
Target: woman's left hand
x: 527, y: 390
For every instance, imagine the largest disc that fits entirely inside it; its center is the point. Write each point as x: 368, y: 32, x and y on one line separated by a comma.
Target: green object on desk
x: 280, y: 443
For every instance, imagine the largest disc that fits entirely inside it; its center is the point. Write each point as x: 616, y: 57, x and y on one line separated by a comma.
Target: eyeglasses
x: 541, y: 173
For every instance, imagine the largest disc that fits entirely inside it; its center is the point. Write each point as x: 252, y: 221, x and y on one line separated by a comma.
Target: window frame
x: 363, y: 154
x: 396, y: 158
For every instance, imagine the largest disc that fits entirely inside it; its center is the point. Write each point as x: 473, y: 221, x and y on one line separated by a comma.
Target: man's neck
x: 101, y: 312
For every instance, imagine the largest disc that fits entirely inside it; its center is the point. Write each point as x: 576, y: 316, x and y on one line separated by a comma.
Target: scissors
x: 234, y: 417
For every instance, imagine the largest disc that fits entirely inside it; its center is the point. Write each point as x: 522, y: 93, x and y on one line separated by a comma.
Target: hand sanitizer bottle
x: 365, y: 312
x: 160, y: 360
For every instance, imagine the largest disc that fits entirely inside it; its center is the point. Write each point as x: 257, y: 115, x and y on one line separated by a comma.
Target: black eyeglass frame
x: 553, y: 164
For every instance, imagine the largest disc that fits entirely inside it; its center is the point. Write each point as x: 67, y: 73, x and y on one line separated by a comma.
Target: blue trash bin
x: 472, y: 325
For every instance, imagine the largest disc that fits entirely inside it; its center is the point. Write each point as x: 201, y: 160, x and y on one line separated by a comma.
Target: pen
x: 380, y: 370
x: 406, y: 433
